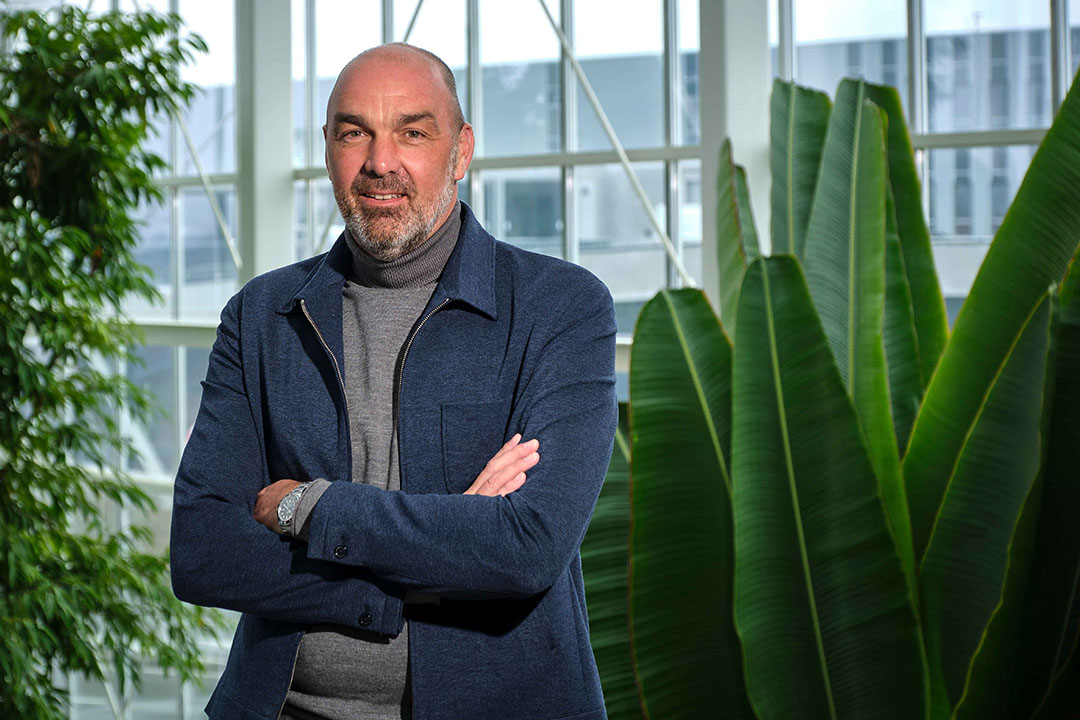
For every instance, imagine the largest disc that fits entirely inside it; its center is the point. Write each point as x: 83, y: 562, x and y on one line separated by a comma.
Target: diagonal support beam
x: 631, y: 175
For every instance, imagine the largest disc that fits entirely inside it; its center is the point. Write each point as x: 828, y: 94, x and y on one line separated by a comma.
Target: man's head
x: 396, y: 145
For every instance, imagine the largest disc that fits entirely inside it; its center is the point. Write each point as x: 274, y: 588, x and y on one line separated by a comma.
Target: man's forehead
x: 405, y: 78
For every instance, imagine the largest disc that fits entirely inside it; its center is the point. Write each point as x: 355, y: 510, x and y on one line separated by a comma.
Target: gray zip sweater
x: 344, y: 672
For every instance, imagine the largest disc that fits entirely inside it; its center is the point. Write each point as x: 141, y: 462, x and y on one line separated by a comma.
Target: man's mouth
x: 377, y: 196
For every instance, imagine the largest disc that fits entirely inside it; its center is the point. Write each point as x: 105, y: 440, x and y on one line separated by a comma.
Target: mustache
x: 391, y: 184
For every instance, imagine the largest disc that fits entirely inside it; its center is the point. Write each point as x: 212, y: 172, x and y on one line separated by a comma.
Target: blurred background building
x: 247, y: 190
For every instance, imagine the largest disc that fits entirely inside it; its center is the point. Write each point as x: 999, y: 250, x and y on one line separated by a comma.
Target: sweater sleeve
x: 307, y: 502
x: 473, y: 546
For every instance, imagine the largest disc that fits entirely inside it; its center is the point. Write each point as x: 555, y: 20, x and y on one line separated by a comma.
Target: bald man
x: 364, y: 480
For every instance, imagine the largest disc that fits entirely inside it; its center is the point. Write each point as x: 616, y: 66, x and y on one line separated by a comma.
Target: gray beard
x: 412, y: 236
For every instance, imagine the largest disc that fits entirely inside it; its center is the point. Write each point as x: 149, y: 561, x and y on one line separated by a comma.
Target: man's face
x: 393, y: 151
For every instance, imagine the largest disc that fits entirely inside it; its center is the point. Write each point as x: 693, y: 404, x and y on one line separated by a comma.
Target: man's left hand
x: 266, y: 503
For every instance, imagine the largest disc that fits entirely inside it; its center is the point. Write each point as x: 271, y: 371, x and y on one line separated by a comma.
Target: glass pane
x: 519, y: 57
x: 154, y: 439
x: 774, y: 38
x: 301, y: 125
x: 301, y: 232
x: 209, y: 274
x: 970, y: 191
x: 326, y: 222
x: 524, y: 208
x: 157, y: 521
x: 616, y: 240
x: 343, y: 30
x: 988, y: 64
x: 155, y: 251
x: 197, y: 361
x: 625, y: 68
x: 211, y: 118
x: 159, y: 696
x: 690, y: 216
x: 835, y: 39
x: 689, y: 99
x: 439, y: 28
x: 1074, y: 38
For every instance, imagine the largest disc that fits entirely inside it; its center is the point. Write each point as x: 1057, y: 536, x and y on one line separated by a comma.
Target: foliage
x: 846, y: 512
x: 76, y: 595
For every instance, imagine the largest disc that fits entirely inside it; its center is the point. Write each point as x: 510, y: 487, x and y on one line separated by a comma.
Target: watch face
x: 287, y: 507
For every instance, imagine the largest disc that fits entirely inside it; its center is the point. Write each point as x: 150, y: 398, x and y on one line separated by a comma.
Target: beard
x: 388, y: 233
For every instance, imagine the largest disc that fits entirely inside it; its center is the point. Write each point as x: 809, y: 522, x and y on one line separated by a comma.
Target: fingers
x: 505, y: 472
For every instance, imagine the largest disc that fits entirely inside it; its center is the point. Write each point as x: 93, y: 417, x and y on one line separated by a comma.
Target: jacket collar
x: 468, y: 276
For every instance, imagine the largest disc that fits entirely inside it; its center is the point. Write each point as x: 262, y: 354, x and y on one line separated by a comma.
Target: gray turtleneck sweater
x: 344, y: 672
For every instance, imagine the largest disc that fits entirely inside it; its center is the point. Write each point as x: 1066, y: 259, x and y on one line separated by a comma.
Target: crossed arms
x: 508, y: 538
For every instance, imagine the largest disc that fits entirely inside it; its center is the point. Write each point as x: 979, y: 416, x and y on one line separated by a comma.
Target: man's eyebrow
x: 342, y: 118
x: 410, y: 118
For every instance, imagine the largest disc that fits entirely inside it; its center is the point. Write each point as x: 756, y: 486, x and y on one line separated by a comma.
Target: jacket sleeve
x: 474, y: 546
x: 220, y: 556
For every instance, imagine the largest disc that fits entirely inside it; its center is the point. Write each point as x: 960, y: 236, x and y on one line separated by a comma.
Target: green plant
x: 75, y: 595
x: 847, y: 512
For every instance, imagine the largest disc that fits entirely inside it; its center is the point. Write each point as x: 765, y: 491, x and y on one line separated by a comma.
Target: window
x: 962, y: 193
x: 999, y: 187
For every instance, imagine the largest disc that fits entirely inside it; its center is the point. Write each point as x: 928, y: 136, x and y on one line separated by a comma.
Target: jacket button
x: 364, y: 620
x: 339, y: 551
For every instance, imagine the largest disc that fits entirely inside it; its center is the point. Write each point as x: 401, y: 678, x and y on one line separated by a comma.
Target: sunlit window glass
x: 987, y: 64
x: 616, y: 240
x: 211, y: 117
x: 835, y: 39
x: 522, y: 86
x: 524, y: 208
x: 625, y: 67
x: 208, y: 277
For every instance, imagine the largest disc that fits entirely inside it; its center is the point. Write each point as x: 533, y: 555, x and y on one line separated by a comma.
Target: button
x: 339, y: 551
x: 364, y: 620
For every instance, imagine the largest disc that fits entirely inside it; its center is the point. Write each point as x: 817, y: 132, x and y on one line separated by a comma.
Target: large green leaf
x: 730, y: 250
x: 906, y: 383
x: 1032, y: 632
x: 751, y: 243
x: 798, y: 119
x: 845, y: 270
x: 962, y: 572
x: 683, y: 639
x: 931, y: 321
x: 605, y: 564
x: 1033, y: 247
x: 822, y: 604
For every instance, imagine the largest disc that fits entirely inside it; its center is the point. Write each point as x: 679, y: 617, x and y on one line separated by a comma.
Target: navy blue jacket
x: 511, y: 341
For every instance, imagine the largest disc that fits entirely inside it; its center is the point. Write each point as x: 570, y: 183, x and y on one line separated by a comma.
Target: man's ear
x: 326, y: 151
x: 466, y: 143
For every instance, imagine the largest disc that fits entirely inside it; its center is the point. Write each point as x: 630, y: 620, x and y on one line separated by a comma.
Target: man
x: 364, y: 482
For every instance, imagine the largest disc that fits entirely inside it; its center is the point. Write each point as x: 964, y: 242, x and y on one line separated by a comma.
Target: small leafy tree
x: 76, y: 93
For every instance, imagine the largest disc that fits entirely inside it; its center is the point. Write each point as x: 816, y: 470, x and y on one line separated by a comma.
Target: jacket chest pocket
x: 472, y: 432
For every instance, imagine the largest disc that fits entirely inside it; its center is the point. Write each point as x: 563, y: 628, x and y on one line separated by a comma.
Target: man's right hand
x: 505, y: 472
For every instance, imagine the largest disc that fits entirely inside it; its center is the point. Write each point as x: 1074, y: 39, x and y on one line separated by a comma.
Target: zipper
x: 408, y: 344
x: 292, y: 672
x: 337, y: 368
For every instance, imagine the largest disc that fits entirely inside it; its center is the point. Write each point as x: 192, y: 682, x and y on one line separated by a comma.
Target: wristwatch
x: 287, y: 507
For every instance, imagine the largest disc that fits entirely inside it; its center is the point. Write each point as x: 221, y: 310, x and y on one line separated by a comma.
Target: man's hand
x: 266, y: 503
x: 505, y: 472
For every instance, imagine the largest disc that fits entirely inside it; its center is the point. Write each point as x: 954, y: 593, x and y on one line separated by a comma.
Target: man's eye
x: 414, y: 134
x: 353, y: 133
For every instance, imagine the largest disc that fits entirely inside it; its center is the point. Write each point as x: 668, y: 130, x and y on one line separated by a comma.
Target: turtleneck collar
x: 419, y: 267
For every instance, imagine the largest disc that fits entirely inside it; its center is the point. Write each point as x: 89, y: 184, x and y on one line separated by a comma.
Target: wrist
x: 286, y: 510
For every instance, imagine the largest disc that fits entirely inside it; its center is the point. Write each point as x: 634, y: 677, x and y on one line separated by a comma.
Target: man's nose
x: 382, y: 158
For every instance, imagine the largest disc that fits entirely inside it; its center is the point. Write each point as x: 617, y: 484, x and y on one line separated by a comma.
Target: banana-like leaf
x: 822, y: 604
x: 730, y: 250
x: 1033, y: 247
x: 906, y: 384
x: 931, y: 321
x: 962, y: 572
x: 751, y: 244
x: 798, y: 120
x: 605, y: 564
x: 1062, y: 700
x: 845, y: 270
x: 1029, y: 638
x: 686, y: 653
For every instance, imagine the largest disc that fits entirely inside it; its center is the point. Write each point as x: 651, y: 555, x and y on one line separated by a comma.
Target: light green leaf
x: 685, y: 648
x: 962, y: 572
x: 798, y: 120
x: 822, y: 604
x: 845, y: 270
